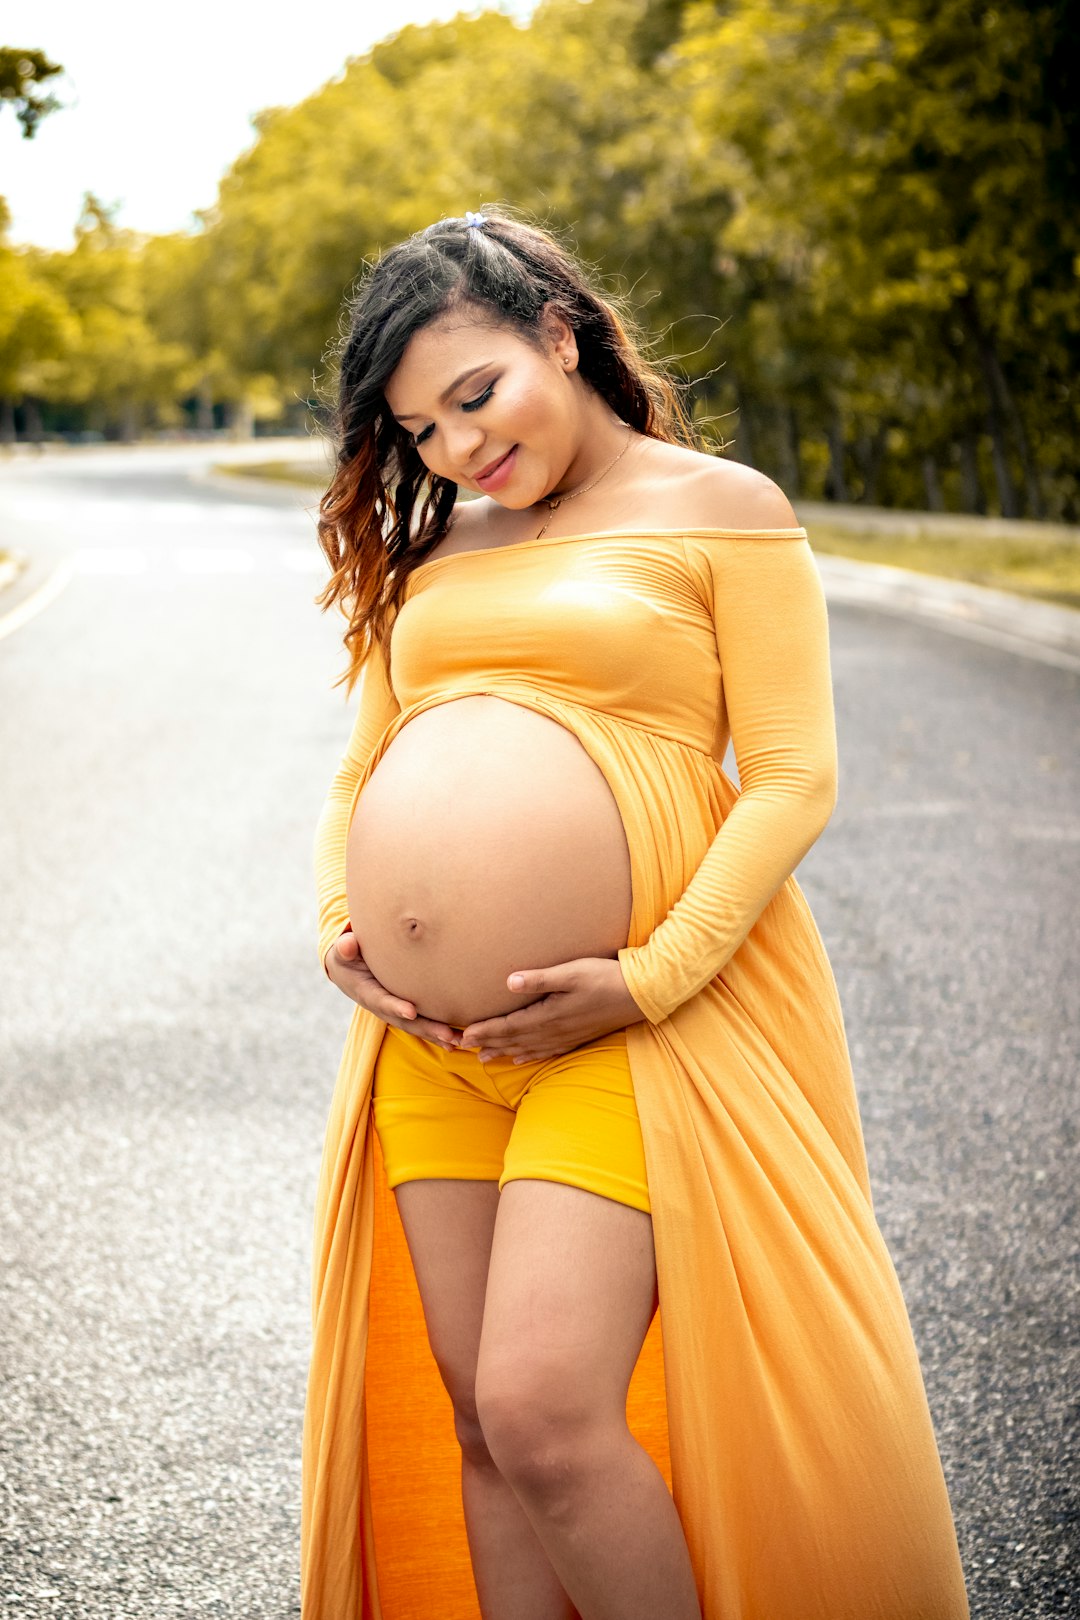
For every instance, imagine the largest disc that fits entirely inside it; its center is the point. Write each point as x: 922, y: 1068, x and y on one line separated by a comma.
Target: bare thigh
x: 449, y: 1226
x: 571, y: 1291
x: 545, y: 1293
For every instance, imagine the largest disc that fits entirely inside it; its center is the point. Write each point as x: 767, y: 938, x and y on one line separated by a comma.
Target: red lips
x: 485, y: 472
x: 496, y: 473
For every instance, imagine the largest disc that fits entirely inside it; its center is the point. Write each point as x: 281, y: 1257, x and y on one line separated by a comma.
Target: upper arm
x: 771, y: 624
x: 376, y: 708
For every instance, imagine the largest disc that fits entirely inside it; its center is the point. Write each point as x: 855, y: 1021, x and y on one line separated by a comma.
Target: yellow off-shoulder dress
x: 779, y: 1388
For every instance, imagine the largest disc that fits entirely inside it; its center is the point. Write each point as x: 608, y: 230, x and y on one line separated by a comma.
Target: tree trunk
x: 790, y: 442
x: 869, y: 450
x: 241, y: 420
x: 836, y: 482
x: 34, y: 426
x: 1007, y: 496
x: 1032, y: 481
x: 744, y: 435
x: 129, y: 422
x: 7, y: 420
x: 996, y: 397
x: 971, y: 491
x: 204, y: 410
x: 935, y: 501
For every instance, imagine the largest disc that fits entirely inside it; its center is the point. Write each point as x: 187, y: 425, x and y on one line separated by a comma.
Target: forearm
x: 755, y: 852
x: 331, y: 834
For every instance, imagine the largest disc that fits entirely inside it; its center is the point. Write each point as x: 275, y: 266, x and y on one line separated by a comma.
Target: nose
x: 463, y: 441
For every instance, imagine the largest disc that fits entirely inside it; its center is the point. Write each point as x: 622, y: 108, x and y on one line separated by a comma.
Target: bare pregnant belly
x: 485, y: 840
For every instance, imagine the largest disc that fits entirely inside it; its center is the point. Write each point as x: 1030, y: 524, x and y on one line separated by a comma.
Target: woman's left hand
x: 578, y: 1002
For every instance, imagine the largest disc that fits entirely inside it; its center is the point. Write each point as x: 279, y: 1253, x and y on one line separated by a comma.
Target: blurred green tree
x: 36, y: 326
x: 115, y: 363
x: 854, y: 228
x: 905, y: 167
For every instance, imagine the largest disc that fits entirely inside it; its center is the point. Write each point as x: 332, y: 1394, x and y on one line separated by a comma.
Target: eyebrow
x: 445, y: 395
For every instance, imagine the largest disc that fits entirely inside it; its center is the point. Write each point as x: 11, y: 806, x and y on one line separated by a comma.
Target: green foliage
x: 853, y: 227
x: 36, y: 325
x: 20, y: 74
x: 114, y: 359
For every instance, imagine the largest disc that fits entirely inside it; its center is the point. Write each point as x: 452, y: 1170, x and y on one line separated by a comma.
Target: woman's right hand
x: 347, y: 969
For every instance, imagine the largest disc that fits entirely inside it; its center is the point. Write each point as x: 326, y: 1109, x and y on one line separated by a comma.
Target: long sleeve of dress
x: 377, y: 707
x: 769, y: 613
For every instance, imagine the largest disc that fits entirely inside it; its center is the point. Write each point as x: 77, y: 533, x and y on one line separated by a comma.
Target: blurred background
x: 856, y: 227
x: 854, y: 230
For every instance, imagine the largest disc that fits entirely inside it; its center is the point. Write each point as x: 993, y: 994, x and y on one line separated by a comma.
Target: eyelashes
x: 468, y: 405
x: 481, y: 399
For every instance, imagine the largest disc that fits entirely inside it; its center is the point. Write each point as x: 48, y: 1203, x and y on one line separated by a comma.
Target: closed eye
x: 467, y: 405
x: 481, y: 399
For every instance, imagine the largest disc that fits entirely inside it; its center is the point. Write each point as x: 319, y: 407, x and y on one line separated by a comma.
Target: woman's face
x: 487, y: 409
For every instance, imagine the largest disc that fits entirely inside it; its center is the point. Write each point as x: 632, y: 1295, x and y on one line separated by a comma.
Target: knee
x: 538, y: 1428
x: 470, y: 1435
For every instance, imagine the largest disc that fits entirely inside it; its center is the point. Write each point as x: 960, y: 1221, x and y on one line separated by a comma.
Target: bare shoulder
x: 471, y: 517
x: 708, y: 492
x: 733, y: 496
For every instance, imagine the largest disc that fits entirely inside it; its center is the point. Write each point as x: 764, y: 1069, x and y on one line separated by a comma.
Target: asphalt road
x: 168, y: 1044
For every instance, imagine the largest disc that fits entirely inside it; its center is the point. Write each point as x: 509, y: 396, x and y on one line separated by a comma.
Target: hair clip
x: 473, y: 222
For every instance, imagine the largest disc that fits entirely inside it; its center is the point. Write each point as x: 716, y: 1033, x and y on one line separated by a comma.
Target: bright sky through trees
x: 855, y: 231
x: 158, y: 100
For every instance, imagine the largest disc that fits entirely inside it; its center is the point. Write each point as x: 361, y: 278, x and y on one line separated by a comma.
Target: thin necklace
x: 574, y: 493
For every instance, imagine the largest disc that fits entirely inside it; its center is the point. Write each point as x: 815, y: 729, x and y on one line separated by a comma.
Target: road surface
x: 168, y: 1044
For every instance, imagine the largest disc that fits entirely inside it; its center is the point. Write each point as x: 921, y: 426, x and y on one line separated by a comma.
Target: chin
x: 511, y: 503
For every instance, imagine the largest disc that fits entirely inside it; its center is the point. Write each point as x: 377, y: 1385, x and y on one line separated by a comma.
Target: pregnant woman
x: 604, y: 1325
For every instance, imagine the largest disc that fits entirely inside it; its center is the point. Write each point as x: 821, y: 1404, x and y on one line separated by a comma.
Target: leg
x: 571, y: 1291
x: 449, y: 1225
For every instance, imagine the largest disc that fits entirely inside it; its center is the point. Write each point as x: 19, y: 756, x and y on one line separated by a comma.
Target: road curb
x: 911, y: 524
x: 1039, y: 630
x: 1034, y: 629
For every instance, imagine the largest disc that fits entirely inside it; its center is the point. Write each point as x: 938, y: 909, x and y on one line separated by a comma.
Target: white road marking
x: 39, y: 599
x: 110, y: 560
x: 121, y: 560
x: 213, y: 560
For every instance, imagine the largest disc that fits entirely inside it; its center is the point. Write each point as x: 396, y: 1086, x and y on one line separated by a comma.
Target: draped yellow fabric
x: 784, y: 1402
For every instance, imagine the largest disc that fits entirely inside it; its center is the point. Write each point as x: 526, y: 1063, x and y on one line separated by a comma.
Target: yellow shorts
x: 571, y: 1119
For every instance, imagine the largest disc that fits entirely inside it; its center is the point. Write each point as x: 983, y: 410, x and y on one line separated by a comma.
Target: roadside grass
x: 1046, y: 569
x: 304, y: 474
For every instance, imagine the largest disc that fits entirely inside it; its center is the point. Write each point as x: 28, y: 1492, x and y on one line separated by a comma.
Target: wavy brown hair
x: 384, y: 512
